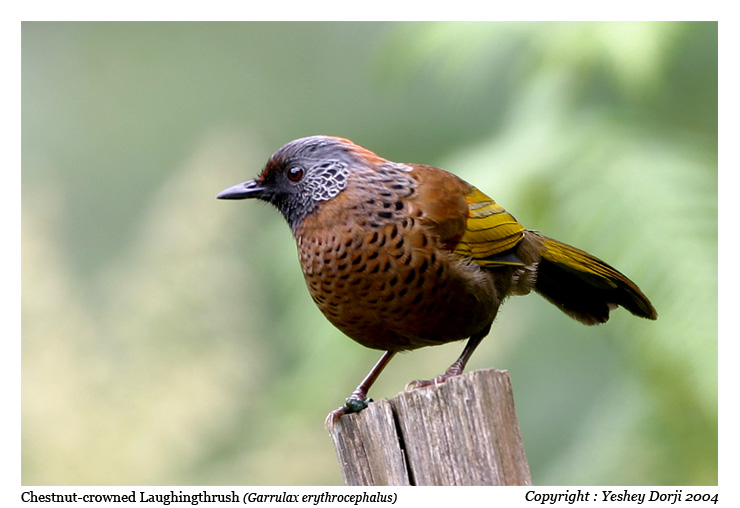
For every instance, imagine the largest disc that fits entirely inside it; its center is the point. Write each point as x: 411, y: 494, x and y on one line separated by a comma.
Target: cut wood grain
x: 461, y: 432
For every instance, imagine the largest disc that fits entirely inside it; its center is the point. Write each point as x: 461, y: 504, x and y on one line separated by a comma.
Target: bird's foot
x: 351, y: 405
x: 421, y: 383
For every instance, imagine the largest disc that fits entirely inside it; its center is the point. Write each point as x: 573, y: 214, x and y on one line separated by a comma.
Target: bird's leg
x: 456, y: 368
x: 359, y: 399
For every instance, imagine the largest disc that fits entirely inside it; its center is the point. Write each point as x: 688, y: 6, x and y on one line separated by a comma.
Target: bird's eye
x: 295, y: 173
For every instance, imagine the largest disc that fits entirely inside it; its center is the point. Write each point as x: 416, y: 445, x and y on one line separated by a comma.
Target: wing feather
x: 490, y: 230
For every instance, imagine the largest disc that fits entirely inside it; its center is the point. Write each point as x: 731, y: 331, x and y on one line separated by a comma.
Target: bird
x: 400, y: 256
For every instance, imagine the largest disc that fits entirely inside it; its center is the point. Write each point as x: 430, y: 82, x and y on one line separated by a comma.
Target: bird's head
x: 303, y: 173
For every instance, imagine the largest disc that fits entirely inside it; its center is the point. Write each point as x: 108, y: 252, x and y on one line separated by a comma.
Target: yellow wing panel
x: 490, y: 230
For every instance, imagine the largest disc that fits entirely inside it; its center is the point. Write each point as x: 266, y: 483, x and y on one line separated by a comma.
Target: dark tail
x: 584, y: 287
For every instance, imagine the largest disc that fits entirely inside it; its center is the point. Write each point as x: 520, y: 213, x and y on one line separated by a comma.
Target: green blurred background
x: 168, y: 338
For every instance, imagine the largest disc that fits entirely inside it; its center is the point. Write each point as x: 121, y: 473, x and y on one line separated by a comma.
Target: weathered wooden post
x: 461, y: 432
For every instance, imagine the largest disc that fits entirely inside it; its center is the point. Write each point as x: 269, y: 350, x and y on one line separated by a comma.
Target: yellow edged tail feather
x: 585, y: 287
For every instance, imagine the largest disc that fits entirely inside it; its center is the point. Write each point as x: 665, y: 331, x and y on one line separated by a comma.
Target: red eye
x: 295, y: 173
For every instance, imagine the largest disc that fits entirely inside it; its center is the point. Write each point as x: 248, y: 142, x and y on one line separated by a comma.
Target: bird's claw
x: 421, y: 383
x: 355, y: 405
x: 351, y: 405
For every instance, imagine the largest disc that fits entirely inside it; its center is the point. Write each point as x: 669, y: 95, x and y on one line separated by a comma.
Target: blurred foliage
x: 168, y: 338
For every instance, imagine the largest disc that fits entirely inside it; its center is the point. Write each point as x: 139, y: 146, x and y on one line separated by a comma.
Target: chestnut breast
x: 375, y: 260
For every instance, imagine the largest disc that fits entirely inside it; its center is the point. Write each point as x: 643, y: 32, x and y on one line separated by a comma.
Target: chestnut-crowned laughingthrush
x: 402, y: 256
